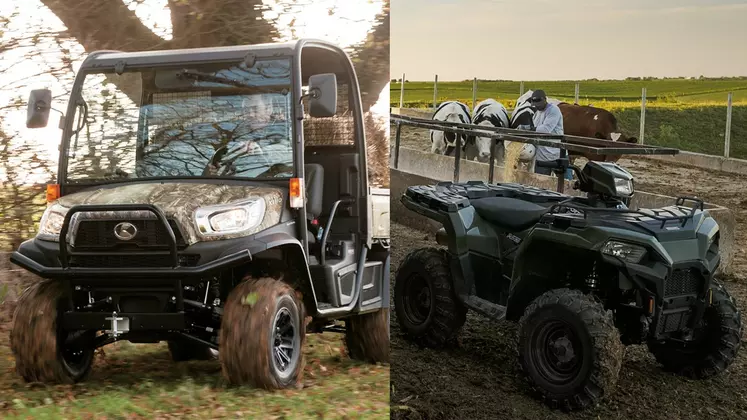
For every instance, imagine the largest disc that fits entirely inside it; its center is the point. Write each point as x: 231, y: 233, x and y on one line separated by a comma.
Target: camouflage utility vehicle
x: 217, y: 199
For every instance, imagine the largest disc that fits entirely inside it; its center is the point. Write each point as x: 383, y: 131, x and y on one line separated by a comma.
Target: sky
x: 567, y: 39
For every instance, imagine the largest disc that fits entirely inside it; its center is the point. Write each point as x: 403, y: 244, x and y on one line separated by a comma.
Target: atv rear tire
x: 715, y: 351
x: 367, y: 336
x: 569, y: 349
x: 262, y: 335
x: 37, y: 339
x: 185, y: 350
x: 427, y: 308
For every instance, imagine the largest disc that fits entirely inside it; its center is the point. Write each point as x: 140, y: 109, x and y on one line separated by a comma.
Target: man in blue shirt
x: 547, y: 119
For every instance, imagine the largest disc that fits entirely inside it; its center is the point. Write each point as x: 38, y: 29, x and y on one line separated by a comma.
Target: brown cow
x: 587, y: 121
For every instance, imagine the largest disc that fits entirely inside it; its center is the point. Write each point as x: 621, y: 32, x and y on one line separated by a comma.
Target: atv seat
x: 314, y: 192
x: 510, y: 214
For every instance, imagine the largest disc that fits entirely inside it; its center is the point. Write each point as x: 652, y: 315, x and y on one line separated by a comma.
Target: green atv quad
x: 583, y: 276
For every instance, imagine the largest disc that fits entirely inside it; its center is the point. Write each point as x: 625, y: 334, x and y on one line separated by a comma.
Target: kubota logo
x: 125, y: 231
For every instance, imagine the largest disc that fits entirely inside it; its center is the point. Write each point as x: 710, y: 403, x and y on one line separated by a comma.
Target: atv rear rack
x: 452, y: 196
x: 649, y: 213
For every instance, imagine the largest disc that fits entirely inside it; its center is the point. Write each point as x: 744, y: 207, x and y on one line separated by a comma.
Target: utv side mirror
x: 40, y: 103
x: 323, y: 92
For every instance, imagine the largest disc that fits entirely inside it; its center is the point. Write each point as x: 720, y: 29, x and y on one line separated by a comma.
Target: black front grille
x: 97, y: 234
x: 683, y: 282
x: 131, y: 260
x: 673, y: 322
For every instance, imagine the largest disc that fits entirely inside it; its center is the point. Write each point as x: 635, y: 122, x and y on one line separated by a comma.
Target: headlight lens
x: 51, y: 223
x: 230, y: 218
x: 625, y: 251
x: 624, y: 186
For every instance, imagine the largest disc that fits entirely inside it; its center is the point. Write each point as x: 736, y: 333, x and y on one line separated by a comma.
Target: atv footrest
x: 133, y: 321
x: 483, y: 307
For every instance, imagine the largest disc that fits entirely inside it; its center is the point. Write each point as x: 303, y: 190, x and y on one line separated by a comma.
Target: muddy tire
x: 427, y: 308
x: 367, y: 336
x: 714, y: 350
x: 262, y: 335
x: 38, y: 341
x: 185, y: 350
x: 569, y: 349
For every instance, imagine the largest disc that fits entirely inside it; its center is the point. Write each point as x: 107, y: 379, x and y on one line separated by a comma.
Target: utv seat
x: 314, y: 179
x: 510, y: 214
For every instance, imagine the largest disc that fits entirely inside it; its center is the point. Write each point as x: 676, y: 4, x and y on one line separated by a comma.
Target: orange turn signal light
x: 53, y: 192
x: 650, y: 305
x: 296, y: 193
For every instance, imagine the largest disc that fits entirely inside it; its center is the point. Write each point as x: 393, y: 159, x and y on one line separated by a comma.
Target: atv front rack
x: 654, y: 214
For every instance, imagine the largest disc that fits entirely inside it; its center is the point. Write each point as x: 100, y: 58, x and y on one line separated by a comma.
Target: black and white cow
x: 488, y: 113
x: 445, y: 142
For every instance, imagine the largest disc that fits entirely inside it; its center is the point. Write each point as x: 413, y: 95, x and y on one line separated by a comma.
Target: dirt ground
x: 480, y: 377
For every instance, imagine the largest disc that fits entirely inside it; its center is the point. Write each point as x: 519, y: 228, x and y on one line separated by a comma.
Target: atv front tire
x: 38, y: 341
x: 569, y: 349
x: 262, y: 335
x: 426, y: 306
x: 721, y: 338
x: 367, y: 336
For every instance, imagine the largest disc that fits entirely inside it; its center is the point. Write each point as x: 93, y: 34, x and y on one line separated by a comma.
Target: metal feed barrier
x: 579, y: 144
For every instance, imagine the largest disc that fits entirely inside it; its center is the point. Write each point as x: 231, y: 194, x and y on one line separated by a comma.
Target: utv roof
x: 110, y: 59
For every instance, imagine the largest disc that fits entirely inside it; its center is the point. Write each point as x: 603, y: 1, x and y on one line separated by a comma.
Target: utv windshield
x: 226, y: 120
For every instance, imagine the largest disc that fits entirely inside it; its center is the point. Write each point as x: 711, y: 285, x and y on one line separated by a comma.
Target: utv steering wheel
x: 227, y: 167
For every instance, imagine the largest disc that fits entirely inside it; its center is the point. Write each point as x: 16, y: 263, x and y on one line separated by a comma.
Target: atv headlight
x: 625, y: 251
x: 624, y: 187
x: 51, y: 223
x: 230, y: 218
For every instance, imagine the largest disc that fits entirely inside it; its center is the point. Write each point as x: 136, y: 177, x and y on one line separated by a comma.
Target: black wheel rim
x: 557, y: 352
x: 76, y: 357
x: 286, y: 345
x: 417, y: 300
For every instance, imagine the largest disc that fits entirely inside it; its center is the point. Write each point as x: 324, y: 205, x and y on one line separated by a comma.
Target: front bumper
x: 58, y: 259
x: 178, y: 272
x: 680, y: 293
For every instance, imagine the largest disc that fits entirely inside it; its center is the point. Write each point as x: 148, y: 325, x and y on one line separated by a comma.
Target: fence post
x: 402, y: 92
x: 727, y: 134
x: 435, y: 92
x: 576, y: 94
x: 474, y: 92
x: 521, y: 88
x: 643, y: 115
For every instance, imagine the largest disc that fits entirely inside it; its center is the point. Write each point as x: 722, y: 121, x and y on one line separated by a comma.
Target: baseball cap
x: 538, y: 95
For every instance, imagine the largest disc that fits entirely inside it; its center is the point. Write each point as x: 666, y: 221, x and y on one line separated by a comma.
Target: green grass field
x: 682, y: 113
x: 139, y: 381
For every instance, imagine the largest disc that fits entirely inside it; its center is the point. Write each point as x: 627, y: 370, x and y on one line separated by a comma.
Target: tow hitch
x: 120, y: 325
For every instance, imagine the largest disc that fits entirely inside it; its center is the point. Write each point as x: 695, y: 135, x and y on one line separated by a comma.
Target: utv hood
x: 178, y: 201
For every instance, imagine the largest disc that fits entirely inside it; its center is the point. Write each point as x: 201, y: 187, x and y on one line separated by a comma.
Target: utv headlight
x: 625, y: 251
x: 624, y: 187
x: 230, y: 218
x: 51, y: 223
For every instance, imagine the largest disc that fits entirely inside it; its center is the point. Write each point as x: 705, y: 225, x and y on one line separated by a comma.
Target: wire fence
x: 697, y: 115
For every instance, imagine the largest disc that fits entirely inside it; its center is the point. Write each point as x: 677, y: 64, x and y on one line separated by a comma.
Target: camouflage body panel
x: 177, y: 201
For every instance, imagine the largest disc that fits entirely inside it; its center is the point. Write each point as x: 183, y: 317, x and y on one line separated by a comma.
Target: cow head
x: 483, y: 144
x: 443, y: 142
